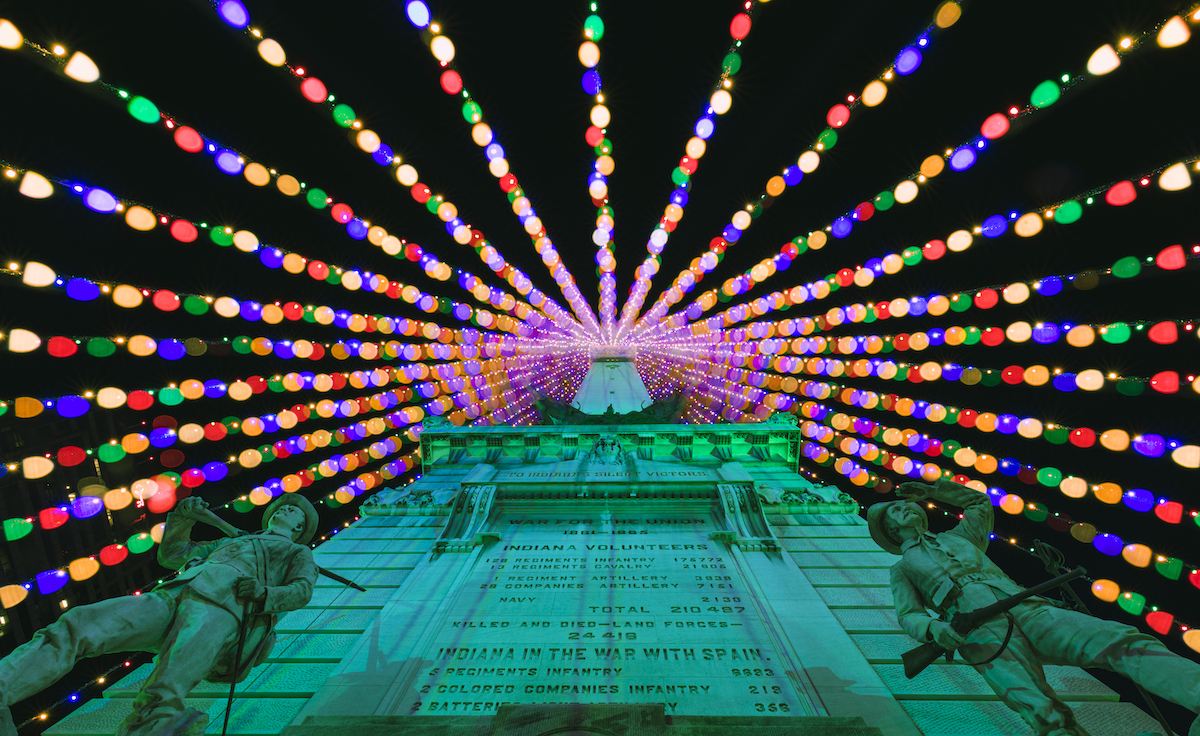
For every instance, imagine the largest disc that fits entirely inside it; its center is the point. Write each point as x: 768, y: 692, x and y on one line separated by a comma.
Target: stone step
x: 435, y: 520
x: 844, y: 560
x: 858, y: 597
x: 345, y: 597
x: 783, y: 529
x: 250, y: 716
x: 377, y: 546
x: 849, y: 577
x: 327, y: 621
x: 942, y: 718
x: 265, y: 681
x: 845, y: 544
x: 312, y: 647
x: 820, y: 520
x: 868, y: 620
x: 616, y: 720
x: 337, y: 562
x: 962, y: 682
x: 388, y: 578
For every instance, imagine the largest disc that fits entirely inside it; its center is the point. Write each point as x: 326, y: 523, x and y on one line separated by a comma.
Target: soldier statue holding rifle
x: 221, y: 605
x: 950, y: 573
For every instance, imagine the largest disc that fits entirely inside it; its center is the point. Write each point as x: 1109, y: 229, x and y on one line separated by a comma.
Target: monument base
x: 585, y: 719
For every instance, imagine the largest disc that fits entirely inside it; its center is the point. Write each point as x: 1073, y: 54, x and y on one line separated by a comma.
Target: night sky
x: 659, y: 63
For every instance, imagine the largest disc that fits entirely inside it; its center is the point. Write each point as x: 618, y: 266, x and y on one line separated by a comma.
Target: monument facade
x: 614, y: 579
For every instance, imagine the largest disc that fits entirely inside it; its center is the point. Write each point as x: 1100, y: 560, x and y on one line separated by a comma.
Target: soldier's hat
x: 311, y: 520
x: 876, y: 515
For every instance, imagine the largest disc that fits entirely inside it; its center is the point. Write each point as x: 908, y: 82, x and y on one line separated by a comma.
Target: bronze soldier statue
x: 950, y: 573
x: 191, y: 622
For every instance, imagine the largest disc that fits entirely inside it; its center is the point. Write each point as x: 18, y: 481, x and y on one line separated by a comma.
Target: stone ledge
x: 535, y: 719
x: 995, y: 719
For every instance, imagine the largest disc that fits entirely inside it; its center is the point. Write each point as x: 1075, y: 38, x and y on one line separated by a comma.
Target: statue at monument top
x: 950, y: 573
x: 223, y: 602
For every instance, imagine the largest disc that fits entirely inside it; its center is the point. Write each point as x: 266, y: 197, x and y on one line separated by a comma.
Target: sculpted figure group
x: 950, y: 572
x: 191, y: 622
x: 229, y: 591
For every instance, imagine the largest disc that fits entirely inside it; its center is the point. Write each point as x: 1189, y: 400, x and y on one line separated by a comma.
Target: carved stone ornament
x: 606, y: 450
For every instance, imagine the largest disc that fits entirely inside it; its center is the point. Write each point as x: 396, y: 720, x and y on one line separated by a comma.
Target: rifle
x: 916, y: 660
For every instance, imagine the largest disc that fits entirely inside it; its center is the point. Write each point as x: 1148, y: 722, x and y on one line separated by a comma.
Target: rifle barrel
x: 983, y: 614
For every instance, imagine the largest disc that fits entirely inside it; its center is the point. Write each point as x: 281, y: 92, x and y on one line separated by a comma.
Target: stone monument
x: 610, y: 578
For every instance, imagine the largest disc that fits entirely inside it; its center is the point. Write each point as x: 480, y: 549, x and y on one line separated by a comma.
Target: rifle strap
x: 1004, y: 645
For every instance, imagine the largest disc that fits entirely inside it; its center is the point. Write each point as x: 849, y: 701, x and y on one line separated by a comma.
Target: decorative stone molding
x: 770, y: 442
x: 746, y: 526
x: 468, y: 518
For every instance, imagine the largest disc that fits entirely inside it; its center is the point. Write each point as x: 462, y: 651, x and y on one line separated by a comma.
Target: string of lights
x: 720, y: 101
x: 959, y: 158
x: 1109, y: 544
x: 235, y: 15
x: 1172, y: 177
x: 907, y: 62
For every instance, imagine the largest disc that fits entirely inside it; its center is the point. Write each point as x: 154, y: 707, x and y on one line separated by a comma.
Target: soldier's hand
x: 191, y: 507
x: 250, y: 589
x: 945, y: 635
x: 914, y: 490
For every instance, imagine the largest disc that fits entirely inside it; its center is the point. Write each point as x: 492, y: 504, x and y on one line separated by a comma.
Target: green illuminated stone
x: 973, y: 336
x: 960, y: 303
x: 143, y: 110
x: 220, y: 237
x: 241, y: 345
x: 912, y: 256
x: 828, y: 139
x: 884, y: 201
x: 1035, y: 513
x: 679, y: 176
x: 1045, y: 94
